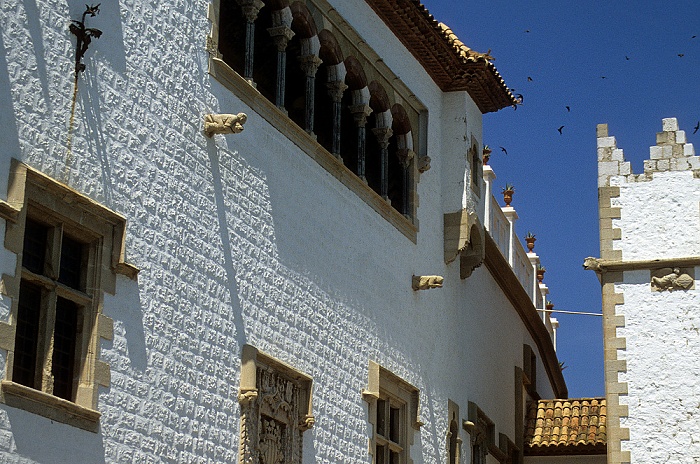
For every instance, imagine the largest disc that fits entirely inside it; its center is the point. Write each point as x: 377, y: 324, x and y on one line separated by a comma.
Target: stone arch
x: 278, y: 4
x: 329, y: 89
x: 355, y: 77
x: 379, y: 122
x: 303, y: 23
x: 355, y: 98
x: 401, y: 123
x: 302, y: 64
x: 400, y: 157
x: 330, y: 51
x: 379, y: 100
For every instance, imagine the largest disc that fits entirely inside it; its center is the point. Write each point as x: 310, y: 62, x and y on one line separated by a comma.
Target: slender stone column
x: 250, y: 9
x: 281, y: 35
x: 309, y: 64
x: 335, y: 91
x: 405, y: 156
x: 383, y: 135
x: 360, y: 113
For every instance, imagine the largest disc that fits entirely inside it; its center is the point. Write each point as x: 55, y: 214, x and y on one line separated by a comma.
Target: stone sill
x: 49, y: 406
x: 230, y: 79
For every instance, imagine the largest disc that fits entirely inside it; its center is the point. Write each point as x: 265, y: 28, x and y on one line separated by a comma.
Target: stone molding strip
x: 501, y: 271
x: 604, y: 265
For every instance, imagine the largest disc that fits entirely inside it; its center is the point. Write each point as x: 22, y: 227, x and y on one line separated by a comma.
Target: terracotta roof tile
x: 451, y: 64
x: 570, y: 426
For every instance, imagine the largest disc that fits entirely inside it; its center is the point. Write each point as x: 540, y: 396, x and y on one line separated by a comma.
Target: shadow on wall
x: 40, y: 440
x: 92, y: 115
x: 8, y: 126
x: 128, y: 310
x: 35, y: 29
x: 236, y: 313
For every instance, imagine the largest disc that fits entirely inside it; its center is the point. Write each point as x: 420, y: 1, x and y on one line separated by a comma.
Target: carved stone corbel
x: 423, y: 163
x: 307, y: 423
x: 464, y: 237
x: 426, y: 282
x: 224, y: 123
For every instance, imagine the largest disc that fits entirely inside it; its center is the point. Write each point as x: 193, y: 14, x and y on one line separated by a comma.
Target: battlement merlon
x: 672, y: 152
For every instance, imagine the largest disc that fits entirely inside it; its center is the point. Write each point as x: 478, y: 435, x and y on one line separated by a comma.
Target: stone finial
x: 426, y: 282
x: 224, y: 123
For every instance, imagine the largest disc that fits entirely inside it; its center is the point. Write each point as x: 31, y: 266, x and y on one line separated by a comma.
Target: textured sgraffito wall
x: 239, y: 239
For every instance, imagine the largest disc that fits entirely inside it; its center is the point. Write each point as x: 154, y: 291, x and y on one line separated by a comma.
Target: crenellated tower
x: 649, y: 258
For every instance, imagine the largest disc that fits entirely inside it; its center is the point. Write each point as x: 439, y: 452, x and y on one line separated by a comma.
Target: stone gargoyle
x: 224, y: 123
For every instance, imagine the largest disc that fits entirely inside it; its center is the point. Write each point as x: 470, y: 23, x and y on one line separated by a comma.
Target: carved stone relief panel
x: 275, y: 413
x: 671, y: 279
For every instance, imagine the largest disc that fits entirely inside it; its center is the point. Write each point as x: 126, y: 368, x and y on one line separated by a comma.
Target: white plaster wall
x: 240, y: 239
x: 662, y: 332
x: 660, y: 218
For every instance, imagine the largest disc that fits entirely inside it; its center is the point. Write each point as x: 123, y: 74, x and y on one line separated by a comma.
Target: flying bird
x: 681, y: 55
x: 527, y: 30
x: 603, y: 77
x: 697, y: 126
x: 693, y: 36
x: 627, y: 57
x: 504, y: 150
x: 529, y: 79
x: 560, y: 129
x: 568, y: 109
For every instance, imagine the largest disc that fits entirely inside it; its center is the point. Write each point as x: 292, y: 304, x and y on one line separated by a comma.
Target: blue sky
x: 611, y: 62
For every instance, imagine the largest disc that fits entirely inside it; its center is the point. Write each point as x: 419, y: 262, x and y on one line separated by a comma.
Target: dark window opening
x: 27, y: 335
x: 34, y: 251
x: 323, y: 111
x: 65, y: 338
x: 72, y: 264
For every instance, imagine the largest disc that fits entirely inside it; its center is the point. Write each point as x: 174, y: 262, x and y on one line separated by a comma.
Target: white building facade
x: 257, y: 232
x: 650, y: 253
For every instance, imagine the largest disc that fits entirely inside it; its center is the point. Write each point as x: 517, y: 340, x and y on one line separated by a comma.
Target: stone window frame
x: 530, y: 371
x: 453, y: 439
x: 482, y: 432
x: 476, y: 167
x: 252, y: 400
x: 38, y: 196
x: 385, y: 386
x: 375, y: 68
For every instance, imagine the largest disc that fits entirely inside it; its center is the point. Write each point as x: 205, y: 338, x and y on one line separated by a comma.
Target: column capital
x: 250, y: 9
x: 383, y: 135
x: 405, y: 156
x: 360, y: 113
x: 336, y: 89
x: 281, y: 36
x: 309, y: 64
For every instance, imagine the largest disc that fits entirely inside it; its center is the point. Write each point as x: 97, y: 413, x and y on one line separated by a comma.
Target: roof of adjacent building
x: 571, y: 426
x: 451, y: 64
